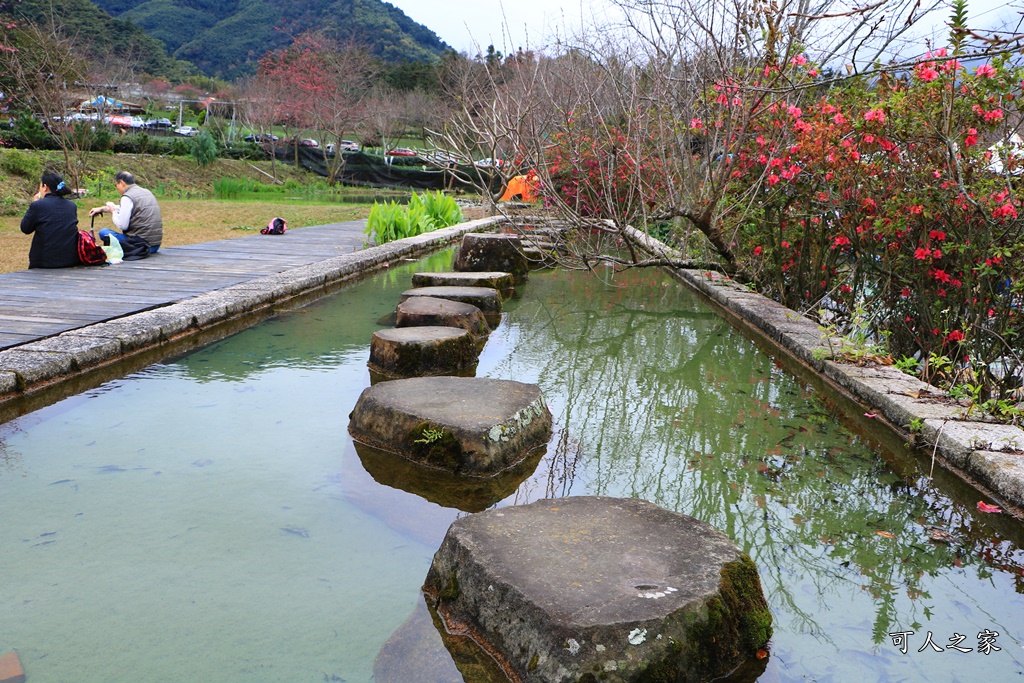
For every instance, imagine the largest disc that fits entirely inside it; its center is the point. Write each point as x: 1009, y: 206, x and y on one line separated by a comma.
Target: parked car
x: 401, y: 152
x: 138, y: 122
x: 187, y: 131
x: 308, y: 142
x: 159, y: 123
x: 345, y: 146
x: 488, y: 163
x: 264, y: 137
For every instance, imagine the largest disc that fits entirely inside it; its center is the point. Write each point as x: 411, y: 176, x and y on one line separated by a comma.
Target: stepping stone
x: 592, y: 588
x: 467, y: 425
x: 419, y: 311
x: 466, y: 493
x: 486, y: 299
x: 488, y: 252
x: 503, y: 282
x: 419, y: 351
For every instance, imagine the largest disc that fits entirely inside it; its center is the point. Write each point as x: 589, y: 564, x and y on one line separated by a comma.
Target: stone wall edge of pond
x: 43, y: 363
x: 988, y: 455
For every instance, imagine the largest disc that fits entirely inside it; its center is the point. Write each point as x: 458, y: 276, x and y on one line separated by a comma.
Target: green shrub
x: 19, y: 163
x: 30, y: 131
x: 180, y: 147
x: 442, y: 209
x: 204, y: 148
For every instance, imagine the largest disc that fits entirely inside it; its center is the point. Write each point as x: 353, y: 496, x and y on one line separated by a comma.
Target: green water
x: 208, y: 519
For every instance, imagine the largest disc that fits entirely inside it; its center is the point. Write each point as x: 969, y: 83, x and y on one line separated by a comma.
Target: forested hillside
x: 101, y: 36
x: 226, y: 38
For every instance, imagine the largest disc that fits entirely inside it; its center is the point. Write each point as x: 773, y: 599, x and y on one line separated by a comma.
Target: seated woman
x: 54, y: 220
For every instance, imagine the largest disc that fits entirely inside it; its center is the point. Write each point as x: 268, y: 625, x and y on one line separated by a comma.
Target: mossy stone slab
x: 467, y: 425
x: 589, y: 589
x: 488, y: 252
x: 419, y: 311
x: 487, y: 299
x: 420, y: 351
x: 503, y: 282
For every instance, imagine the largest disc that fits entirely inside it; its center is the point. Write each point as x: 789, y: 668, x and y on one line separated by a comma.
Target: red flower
x: 955, y: 336
x: 758, y: 250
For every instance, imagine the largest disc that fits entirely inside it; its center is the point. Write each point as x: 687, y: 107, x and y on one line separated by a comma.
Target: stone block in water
x: 600, y: 589
x: 422, y: 351
x: 467, y: 425
x: 418, y: 311
x: 459, y: 492
x: 487, y: 299
x: 488, y: 252
x: 503, y: 282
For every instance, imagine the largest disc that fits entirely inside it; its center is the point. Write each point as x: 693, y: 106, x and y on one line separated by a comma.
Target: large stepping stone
x: 592, y: 588
x: 488, y: 252
x: 419, y: 311
x: 420, y: 351
x: 487, y: 299
x: 503, y: 282
x: 467, y: 425
x: 456, y: 491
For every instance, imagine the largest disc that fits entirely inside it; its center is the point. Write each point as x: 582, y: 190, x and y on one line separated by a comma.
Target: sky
x: 471, y: 25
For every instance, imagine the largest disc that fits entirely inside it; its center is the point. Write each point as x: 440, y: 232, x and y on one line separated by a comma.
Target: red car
x: 401, y: 152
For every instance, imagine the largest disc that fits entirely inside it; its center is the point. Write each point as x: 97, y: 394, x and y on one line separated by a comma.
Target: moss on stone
x: 449, y: 592
x: 730, y: 629
x: 435, y: 446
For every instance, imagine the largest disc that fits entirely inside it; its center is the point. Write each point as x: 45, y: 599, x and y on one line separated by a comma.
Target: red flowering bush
x: 894, y: 198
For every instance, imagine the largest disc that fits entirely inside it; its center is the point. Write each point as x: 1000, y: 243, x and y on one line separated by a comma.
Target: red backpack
x: 90, y: 253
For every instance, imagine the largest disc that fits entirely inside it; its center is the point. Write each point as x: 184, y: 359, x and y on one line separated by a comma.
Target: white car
x: 187, y: 131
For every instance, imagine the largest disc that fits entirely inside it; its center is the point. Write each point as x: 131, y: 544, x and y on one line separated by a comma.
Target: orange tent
x: 525, y: 186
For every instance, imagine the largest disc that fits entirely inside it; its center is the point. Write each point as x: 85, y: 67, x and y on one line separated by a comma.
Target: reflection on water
x: 209, y: 519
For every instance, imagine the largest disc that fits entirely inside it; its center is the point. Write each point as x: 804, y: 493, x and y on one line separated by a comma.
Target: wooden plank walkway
x: 40, y: 303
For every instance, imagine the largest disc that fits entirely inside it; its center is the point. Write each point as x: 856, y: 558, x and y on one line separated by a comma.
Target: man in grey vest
x: 137, y: 216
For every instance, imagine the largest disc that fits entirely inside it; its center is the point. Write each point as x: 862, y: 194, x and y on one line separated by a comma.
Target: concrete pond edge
x: 988, y: 455
x: 33, y: 366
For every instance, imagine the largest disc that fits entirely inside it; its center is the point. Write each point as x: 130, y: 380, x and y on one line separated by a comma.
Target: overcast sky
x: 471, y: 25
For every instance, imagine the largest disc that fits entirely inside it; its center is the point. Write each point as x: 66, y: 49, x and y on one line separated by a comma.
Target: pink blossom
x: 795, y: 111
x: 921, y: 253
x: 985, y: 71
x: 927, y: 74
x: 773, y: 180
x: 868, y: 139
x: 916, y: 209
x: 758, y: 250
x: 875, y: 115
x: 799, y: 60
x: 839, y: 119
x: 1005, y: 211
x: 813, y: 73
x: 696, y: 124
x: 972, y: 138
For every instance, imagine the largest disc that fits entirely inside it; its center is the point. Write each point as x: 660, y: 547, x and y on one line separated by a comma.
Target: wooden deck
x: 41, y: 303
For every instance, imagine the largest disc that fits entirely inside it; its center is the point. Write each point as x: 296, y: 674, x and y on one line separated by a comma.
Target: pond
x: 208, y: 518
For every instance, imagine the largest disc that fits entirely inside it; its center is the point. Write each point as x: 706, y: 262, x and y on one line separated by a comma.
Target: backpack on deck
x: 90, y: 253
x: 276, y: 226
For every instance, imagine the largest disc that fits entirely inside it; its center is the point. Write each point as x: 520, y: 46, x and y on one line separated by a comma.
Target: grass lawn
x: 188, y: 221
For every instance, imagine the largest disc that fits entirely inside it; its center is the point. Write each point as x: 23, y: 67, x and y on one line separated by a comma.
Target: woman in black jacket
x: 54, y: 220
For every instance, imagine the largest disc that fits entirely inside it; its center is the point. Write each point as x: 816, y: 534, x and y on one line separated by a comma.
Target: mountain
x: 100, y: 35
x: 226, y: 38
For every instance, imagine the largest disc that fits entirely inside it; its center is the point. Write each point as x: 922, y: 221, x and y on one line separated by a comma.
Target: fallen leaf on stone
x: 886, y: 534
x: 761, y: 654
x: 985, y: 507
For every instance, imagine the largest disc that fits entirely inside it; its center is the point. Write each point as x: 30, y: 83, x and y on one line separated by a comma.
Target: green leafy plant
x: 16, y: 162
x: 431, y: 435
x: 908, y: 365
x: 425, y: 212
